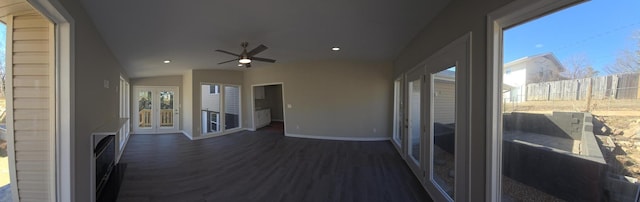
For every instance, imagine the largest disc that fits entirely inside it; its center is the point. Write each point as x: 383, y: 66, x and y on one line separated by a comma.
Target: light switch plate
x: 106, y: 83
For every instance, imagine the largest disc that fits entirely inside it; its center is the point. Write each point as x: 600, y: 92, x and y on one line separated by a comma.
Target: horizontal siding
x: 31, y: 46
x: 31, y: 81
x: 31, y: 106
x: 31, y: 34
x: 30, y: 21
x: 31, y: 114
x: 28, y: 105
x: 30, y: 175
x: 30, y: 58
x: 32, y: 155
x: 31, y: 92
x: 444, y: 102
x: 30, y: 136
x: 38, y: 124
x: 30, y: 69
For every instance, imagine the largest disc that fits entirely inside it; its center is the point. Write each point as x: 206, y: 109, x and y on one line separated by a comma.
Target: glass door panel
x: 443, y: 111
x: 166, y: 109
x: 231, y: 107
x: 397, y: 113
x: 145, y: 109
x: 414, y: 89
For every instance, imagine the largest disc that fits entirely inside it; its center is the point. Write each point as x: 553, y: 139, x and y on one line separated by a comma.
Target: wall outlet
x: 375, y: 130
x: 289, y: 106
x: 297, y: 127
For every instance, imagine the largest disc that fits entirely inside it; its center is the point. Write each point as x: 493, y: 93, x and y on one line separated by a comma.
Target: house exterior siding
x: 30, y: 76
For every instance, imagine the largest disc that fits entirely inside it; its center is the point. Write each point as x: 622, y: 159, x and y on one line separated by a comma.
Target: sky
x: 598, y: 30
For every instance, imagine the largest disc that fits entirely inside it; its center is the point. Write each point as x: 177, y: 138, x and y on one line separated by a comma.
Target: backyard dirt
x: 625, y: 133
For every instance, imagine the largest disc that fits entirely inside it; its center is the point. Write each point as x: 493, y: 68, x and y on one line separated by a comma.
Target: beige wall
x: 457, y: 19
x: 158, y: 81
x: 209, y: 76
x: 94, y: 104
x: 332, y: 99
x: 187, y: 104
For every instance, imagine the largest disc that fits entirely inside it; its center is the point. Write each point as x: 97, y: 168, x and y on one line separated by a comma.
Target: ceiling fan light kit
x: 245, y: 58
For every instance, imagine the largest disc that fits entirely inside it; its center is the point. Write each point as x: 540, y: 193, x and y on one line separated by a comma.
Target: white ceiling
x: 143, y: 33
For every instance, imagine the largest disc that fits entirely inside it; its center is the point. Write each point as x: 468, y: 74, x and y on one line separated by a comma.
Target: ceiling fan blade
x: 227, y: 52
x: 257, y: 50
x: 227, y: 61
x: 263, y: 59
x: 247, y: 65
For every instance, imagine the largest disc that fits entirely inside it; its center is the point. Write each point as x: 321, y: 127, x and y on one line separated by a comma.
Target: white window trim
x: 512, y: 14
x: 222, y: 94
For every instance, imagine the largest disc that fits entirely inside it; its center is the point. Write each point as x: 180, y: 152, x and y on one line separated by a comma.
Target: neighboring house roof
x: 446, y: 75
x: 549, y: 56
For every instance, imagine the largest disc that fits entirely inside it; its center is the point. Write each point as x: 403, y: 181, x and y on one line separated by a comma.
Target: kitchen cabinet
x: 262, y: 118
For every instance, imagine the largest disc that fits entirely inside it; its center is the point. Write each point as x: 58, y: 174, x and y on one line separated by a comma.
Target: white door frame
x: 64, y: 143
x: 253, y: 105
x: 416, y: 164
x: 458, y: 54
x: 155, y: 108
x: 512, y: 14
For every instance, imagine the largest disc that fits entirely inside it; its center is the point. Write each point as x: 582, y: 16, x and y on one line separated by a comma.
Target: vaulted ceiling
x: 144, y: 33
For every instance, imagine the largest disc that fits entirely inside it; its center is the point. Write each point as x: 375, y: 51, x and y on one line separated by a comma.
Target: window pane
x: 571, y: 105
x: 210, y: 109
x: 144, y: 110
x: 397, y: 112
x: 166, y: 108
x: 414, y: 120
x: 443, y: 96
x: 231, y: 107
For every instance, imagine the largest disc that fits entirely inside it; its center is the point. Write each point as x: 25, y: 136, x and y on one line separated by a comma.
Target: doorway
x: 157, y: 109
x: 268, y: 105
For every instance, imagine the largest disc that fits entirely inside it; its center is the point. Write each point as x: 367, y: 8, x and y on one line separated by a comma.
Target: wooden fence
x: 619, y: 86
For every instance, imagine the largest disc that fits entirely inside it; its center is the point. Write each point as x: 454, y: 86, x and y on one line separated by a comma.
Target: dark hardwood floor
x: 264, y: 166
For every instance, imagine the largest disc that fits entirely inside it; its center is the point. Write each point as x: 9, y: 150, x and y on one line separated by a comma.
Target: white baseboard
x: 186, y: 134
x: 250, y: 129
x: 338, y: 138
x: 218, y: 135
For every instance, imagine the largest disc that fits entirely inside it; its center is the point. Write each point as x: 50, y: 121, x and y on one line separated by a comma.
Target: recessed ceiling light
x: 335, y: 48
x: 167, y: 61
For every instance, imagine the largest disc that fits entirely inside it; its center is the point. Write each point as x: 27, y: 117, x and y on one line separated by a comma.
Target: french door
x: 437, y: 134
x: 156, y: 109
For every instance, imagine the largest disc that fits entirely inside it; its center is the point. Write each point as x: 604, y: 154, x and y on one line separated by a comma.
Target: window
x: 559, y: 142
x: 220, y: 111
x: 214, y: 90
x: 124, y: 111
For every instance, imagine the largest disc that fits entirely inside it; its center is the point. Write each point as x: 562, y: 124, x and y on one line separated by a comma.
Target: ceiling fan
x: 245, y: 58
